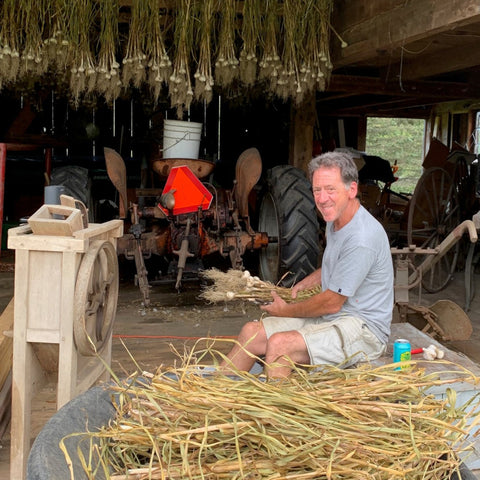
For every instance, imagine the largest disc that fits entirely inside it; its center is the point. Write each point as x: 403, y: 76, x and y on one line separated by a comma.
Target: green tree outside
x: 398, y: 140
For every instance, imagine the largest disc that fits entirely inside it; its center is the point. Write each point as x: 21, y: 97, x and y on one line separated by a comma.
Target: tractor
x: 192, y: 220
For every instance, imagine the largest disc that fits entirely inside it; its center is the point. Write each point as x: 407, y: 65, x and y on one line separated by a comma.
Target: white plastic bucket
x: 181, y: 139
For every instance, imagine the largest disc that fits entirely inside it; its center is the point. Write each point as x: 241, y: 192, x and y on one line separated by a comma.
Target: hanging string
x: 401, y: 70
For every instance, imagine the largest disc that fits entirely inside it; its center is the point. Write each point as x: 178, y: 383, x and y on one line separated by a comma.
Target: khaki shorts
x: 343, y: 342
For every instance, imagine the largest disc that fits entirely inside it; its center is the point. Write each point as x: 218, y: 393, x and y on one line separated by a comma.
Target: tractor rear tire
x: 288, y: 214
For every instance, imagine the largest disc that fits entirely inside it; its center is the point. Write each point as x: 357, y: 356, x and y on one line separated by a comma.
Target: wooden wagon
x: 444, y: 196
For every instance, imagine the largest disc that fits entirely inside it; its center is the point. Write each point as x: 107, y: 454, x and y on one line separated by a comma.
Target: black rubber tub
x: 93, y: 408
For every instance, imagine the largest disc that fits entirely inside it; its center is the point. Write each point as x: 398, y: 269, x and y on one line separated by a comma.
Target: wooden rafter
x: 384, y: 26
x: 419, y: 89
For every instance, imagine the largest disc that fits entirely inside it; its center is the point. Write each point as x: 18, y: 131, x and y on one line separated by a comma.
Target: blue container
x: 402, y: 351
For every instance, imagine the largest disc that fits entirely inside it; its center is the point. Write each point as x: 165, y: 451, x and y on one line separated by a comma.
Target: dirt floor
x: 145, y: 338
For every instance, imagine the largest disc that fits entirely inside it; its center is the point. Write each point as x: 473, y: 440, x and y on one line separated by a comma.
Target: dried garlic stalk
x: 288, y: 83
x: 270, y: 63
x: 56, y: 46
x: 108, y: 69
x: 203, y: 76
x: 179, y: 86
x: 238, y: 285
x: 159, y: 64
x: 10, y: 42
x: 250, y: 28
x: 226, y: 66
x: 82, y: 67
x: 33, y: 15
x: 135, y: 59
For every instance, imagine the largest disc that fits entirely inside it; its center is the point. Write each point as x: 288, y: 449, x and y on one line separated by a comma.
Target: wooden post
x: 472, y: 118
x: 3, y: 162
x: 302, y: 121
x: 362, y: 134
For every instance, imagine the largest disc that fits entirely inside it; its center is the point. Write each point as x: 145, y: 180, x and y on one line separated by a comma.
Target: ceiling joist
x: 423, y: 51
x: 376, y: 86
x: 394, y: 28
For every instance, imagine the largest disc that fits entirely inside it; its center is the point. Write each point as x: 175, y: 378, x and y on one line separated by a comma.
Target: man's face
x: 330, y: 194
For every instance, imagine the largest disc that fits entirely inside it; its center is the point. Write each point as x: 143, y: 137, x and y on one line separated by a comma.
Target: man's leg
x: 283, y: 348
x: 251, y: 340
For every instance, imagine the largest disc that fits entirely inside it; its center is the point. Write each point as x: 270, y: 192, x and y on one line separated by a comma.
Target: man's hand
x: 277, y: 307
x: 297, y: 288
x: 315, y: 306
x: 310, y: 281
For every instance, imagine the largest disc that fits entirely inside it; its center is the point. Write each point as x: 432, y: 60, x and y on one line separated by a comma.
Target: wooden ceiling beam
x: 394, y: 24
x: 375, y: 86
x: 394, y: 107
x: 446, y: 61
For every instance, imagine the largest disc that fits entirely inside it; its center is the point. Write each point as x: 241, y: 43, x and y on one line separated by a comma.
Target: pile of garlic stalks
x: 323, y: 423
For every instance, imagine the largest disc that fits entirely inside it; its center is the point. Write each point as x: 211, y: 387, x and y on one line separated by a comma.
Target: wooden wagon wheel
x: 96, y: 295
x: 433, y: 213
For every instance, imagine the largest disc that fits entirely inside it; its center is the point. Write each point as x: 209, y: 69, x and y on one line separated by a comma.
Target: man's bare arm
x: 317, y: 305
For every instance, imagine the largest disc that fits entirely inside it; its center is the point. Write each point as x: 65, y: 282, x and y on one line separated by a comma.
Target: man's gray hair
x: 342, y: 160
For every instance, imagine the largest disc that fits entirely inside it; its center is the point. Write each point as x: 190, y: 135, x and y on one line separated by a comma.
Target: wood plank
x: 22, y: 388
x: 42, y: 335
x: 368, y: 32
x: 448, y: 60
x: 22, y: 238
x: 67, y: 365
x: 19, y: 239
x: 6, y: 342
x: 5, y: 404
x: 47, y: 220
x: 417, y: 89
x: 42, y: 307
x: 114, y: 229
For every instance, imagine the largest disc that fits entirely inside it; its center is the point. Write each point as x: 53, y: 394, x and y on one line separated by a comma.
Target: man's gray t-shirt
x: 357, y: 263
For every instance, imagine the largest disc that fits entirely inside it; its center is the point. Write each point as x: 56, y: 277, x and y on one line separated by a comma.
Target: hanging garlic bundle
x: 135, y: 59
x: 203, y: 76
x: 325, y: 7
x: 159, y: 64
x: 32, y: 17
x: 108, y: 69
x: 60, y: 36
x: 82, y: 71
x: 250, y: 28
x: 226, y: 66
x: 310, y: 54
x: 56, y: 45
x: 288, y: 84
x: 9, y: 42
x: 180, y: 87
x: 270, y: 63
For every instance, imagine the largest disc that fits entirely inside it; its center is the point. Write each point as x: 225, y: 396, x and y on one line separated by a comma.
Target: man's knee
x: 252, y: 331
x: 287, y: 344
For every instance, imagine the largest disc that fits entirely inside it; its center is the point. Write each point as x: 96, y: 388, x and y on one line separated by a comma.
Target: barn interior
x: 392, y: 59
